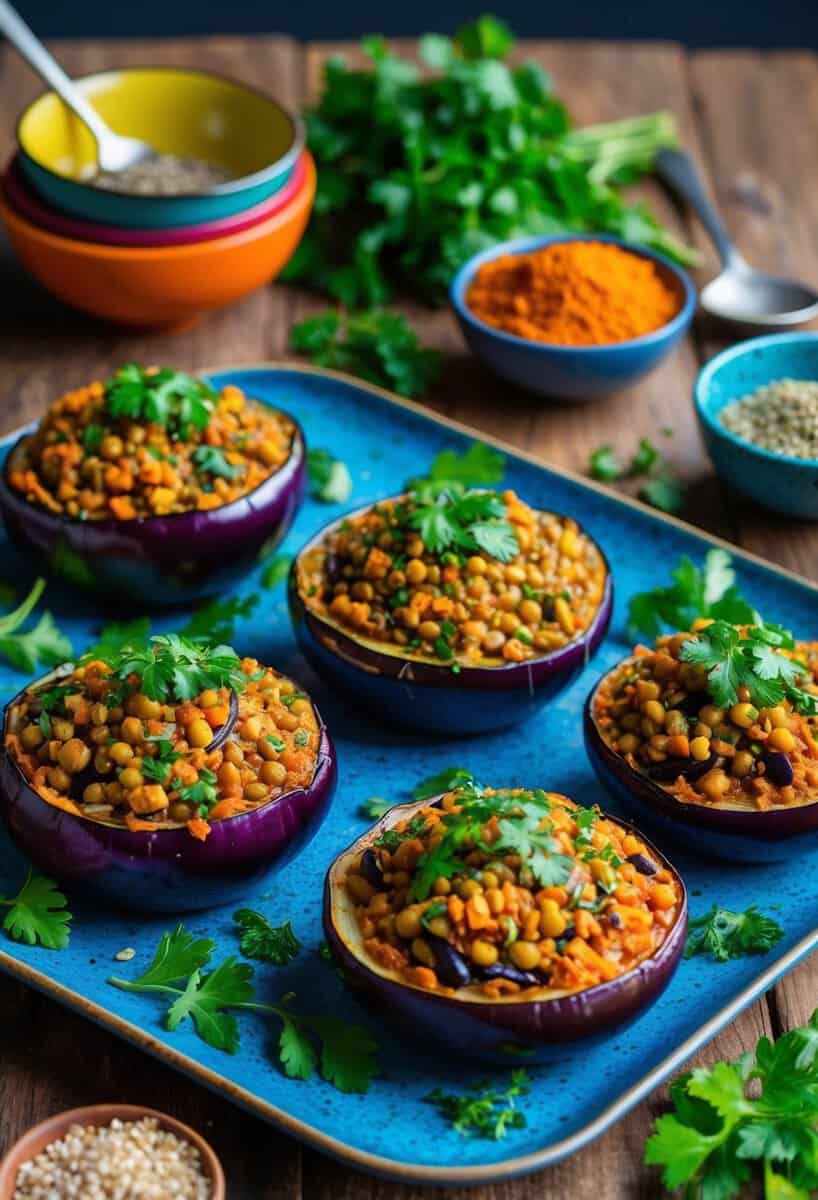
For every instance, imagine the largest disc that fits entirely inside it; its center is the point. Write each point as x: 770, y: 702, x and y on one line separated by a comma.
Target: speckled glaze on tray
x: 391, y: 1131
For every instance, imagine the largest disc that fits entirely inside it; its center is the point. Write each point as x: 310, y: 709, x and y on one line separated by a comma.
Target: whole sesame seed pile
x: 126, y: 1160
x: 781, y: 417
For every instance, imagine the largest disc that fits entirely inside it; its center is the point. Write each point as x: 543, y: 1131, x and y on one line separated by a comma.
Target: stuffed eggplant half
x: 505, y: 921
x: 154, y: 485
x: 164, y: 775
x: 451, y: 611
x: 723, y: 767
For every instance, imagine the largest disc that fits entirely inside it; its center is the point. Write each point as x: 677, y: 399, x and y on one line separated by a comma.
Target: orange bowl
x: 161, y: 286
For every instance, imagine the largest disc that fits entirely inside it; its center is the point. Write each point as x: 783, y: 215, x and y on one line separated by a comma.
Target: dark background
x: 769, y: 23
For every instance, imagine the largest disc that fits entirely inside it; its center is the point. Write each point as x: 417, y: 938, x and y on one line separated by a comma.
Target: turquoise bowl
x: 777, y: 481
x: 574, y: 373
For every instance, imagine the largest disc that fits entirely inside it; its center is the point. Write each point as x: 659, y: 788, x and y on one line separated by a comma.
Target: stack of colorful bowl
x: 158, y: 260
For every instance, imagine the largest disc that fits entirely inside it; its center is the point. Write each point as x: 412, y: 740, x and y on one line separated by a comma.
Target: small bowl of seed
x: 757, y: 405
x: 95, y: 1151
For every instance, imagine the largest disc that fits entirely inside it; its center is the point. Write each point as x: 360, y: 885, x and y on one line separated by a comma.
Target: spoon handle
x: 32, y: 49
x: 678, y: 171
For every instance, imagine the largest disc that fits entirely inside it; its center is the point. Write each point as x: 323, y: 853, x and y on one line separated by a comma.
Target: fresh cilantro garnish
x: 259, y: 939
x: 483, y: 1110
x: 203, y: 794
x: 756, y: 1116
x: 329, y: 478
x: 156, y: 768
x: 214, y: 623
x: 44, y: 642
x: 92, y: 436
x: 663, y: 493
x: 211, y: 1000
x: 172, y: 668
x: 708, y: 591
x: 605, y: 465
x: 754, y: 660
x: 725, y: 934
x: 212, y: 461
x: 291, y: 698
x: 464, y: 520
x: 376, y: 344
x: 478, y: 466
x: 165, y: 397
x: 392, y: 838
x: 444, y: 781
x: 374, y: 808
x: 115, y: 636
x: 38, y: 914
x: 276, y: 570
x: 421, y: 170
x: 276, y: 742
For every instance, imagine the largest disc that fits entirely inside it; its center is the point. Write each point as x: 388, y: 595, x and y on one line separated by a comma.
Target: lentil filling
x: 149, y: 442
x: 103, y: 741
x: 656, y: 710
x: 387, y: 575
x: 494, y: 892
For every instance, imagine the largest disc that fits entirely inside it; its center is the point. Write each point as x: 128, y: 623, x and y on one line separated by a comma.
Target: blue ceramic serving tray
x: 391, y: 1131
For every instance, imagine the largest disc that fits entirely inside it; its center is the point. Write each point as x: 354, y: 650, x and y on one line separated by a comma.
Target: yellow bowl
x: 161, y: 286
x: 177, y: 111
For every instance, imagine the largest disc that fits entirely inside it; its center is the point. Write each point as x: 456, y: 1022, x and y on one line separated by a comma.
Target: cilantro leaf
x: 116, y: 635
x: 604, y: 465
x: 295, y: 1050
x: 444, y: 781
x: 276, y: 570
x: 374, y: 808
x: 212, y: 461
x: 173, y: 668
x: 38, y: 914
x: 482, y: 1110
x: 707, y: 591
x: 467, y: 520
x: 166, y: 397
x: 44, y: 642
x: 347, y: 1053
x: 214, y: 622
x: 259, y: 939
x: 755, y: 660
x: 664, y: 493
x: 726, y: 935
x: 329, y: 478
x: 479, y: 466
x: 177, y: 956
x: 207, y: 996
x: 645, y: 458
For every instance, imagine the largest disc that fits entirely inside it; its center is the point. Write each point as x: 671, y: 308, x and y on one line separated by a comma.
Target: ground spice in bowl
x: 163, y: 175
x: 573, y: 293
x: 781, y: 417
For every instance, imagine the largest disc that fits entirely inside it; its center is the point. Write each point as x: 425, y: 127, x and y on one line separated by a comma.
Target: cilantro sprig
x: 484, y: 1110
x: 165, y: 397
x: 210, y: 996
x: 38, y: 914
x: 755, y: 1116
x: 463, y: 520
x: 707, y: 591
x: 329, y: 477
x: 724, y: 934
x: 478, y: 466
x: 44, y: 642
x: 171, y: 668
x: 755, y: 661
x: 259, y: 939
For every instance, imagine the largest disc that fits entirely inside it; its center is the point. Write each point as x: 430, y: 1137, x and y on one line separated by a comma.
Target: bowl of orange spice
x: 572, y: 317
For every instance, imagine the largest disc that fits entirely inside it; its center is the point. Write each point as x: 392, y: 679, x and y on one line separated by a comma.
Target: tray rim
x: 375, y: 1163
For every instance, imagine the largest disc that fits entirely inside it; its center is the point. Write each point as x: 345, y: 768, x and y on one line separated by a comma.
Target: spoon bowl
x: 752, y: 297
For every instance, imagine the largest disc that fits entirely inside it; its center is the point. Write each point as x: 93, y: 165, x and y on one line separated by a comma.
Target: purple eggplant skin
x: 499, y: 1031
x: 429, y: 696
x: 738, y: 835
x: 163, y: 561
x: 170, y: 870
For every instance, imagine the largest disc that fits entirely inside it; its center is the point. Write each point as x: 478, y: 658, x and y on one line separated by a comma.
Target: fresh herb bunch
x: 38, y: 914
x: 725, y: 934
x: 171, y: 668
x: 456, y: 519
x: 523, y: 829
x: 377, y: 345
x: 259, y: 939
x: 347, y: 1052
x: 329, y: 477
x: 483, y: 1109
x: 755, y: 660
x: 758, y: 1112
x: 165, y: 397
x: 44, y: 642
x: 707, y: 591
x: 419, y: 173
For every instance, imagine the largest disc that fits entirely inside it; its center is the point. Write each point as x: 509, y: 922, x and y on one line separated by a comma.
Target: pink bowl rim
x: 33, y: 209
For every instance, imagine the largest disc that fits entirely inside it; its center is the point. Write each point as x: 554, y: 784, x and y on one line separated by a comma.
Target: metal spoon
x: 114, y: 152
x: 739, y: 293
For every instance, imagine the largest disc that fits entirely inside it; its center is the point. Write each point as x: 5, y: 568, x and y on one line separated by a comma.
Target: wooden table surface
x: 750, y: 119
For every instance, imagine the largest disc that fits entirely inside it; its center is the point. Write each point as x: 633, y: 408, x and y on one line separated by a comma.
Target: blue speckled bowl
x: 570, y: 372
x: 787, y: 485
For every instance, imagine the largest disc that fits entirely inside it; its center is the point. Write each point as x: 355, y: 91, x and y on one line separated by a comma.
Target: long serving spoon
x: 740, y: 293
x: 114, y: 152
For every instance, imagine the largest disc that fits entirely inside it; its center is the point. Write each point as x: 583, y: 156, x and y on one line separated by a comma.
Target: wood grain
x: 750, y: 121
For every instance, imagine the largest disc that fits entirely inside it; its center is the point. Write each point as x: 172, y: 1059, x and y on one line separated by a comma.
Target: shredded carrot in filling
x: 490, y: 921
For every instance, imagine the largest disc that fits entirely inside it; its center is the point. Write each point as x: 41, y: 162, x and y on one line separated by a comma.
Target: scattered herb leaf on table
x: 259, y: 939
x: 484, y: 1110
x: 38, y: 914
x: 43, y: 643
x: 725, y: 935
x: 329, y: 477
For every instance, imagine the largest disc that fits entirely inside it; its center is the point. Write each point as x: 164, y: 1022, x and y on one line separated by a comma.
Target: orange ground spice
x: 573, y: 294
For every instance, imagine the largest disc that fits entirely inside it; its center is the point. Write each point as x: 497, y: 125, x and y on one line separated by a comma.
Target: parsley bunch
x: 180, y: 971
x: 377, y: 345
x: 726, y: 935
x: 754, y: 660
x: 463, y: 520
x: 171, y: 668
x: 417, y: 173
x: 761, y: 1111
x: 482, y: 1109
x: 165, y: 397
x: 706, y: 591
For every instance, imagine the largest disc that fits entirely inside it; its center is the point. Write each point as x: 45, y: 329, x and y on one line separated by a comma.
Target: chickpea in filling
x: 375, y: 576
x: 657, y: 711
x: 115, y: 754
x: 149, y: 442
x: 566, y: 900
